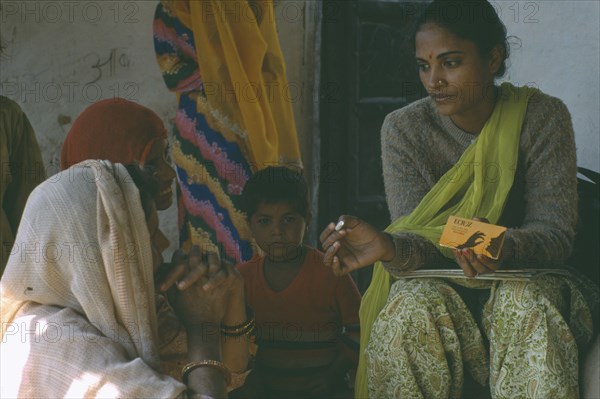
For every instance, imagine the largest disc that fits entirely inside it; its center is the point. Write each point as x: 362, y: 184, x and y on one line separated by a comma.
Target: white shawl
x: 77, y: 296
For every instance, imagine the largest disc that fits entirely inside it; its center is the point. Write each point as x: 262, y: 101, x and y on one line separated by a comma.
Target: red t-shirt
x: 298, y: 329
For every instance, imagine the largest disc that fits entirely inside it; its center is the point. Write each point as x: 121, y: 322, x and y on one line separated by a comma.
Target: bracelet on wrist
x: 239, y: 330
x: 215, y: 364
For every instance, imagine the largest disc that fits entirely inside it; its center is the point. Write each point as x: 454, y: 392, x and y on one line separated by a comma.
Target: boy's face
x: 278, y: 230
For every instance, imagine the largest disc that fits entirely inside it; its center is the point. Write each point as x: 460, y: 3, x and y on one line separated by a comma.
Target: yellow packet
x: 483, y: 238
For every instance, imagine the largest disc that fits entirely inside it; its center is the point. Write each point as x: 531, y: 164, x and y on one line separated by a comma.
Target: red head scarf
x: 115, y: 129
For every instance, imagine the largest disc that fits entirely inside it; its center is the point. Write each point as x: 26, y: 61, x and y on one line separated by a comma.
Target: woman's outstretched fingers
x: 218, y: 271
x: 326, y: 232
x: 185, y: 271
x: 195, y: 256
x: 191, y: 276
x: 215, y: 280
x: 214, y: 262
x: 177, y: 269
x: 334, y: 237
x: 330, y: 234
x: 336, y: 267
x: 329, y: 254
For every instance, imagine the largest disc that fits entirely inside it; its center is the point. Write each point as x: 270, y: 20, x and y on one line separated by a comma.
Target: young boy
x: 300, y: 307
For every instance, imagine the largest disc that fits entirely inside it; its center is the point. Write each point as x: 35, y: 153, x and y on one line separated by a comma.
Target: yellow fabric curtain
x: 476, y: 186
x: 244, y: 76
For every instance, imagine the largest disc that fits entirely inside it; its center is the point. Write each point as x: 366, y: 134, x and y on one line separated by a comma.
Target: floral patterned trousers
x: 526, y: 345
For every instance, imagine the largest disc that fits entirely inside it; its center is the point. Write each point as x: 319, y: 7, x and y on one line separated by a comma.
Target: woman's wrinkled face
x: 458, y: 79
x: 158, y: 159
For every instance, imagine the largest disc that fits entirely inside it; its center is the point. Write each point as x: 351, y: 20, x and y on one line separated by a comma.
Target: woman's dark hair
x: 473, y: 20
x: 276, y: 184
x: 146, y: 183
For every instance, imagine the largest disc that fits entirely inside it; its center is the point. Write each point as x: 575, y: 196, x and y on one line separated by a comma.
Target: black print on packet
x: 493, y: 247
x: 475, y: 239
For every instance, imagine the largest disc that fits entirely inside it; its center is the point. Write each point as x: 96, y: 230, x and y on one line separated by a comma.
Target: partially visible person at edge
x: 122, y: 131
x: 83, y: 324
x: 234, y: 114
x: 21, y: 169
x: 301, y: 309
x: 476, y: 150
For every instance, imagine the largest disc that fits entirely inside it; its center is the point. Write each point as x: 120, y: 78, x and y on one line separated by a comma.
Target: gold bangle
x: 238, y: 332
x: 239, y: 327
x: 215, y: 364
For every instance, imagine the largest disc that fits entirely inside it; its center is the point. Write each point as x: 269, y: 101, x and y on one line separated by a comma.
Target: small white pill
x: 339, y: 226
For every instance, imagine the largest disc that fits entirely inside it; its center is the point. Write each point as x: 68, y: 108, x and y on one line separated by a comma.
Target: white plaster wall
x: 560, y: 54
x: 64, y: 55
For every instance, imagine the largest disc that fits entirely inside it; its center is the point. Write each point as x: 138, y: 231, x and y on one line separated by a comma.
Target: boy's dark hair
x: 273, y: 185
x: 473, y: 20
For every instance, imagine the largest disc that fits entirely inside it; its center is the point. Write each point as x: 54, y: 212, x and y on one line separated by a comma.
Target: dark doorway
x: 368, y: 70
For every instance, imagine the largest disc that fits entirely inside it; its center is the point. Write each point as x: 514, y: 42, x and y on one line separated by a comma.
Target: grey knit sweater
x: 419, y: 146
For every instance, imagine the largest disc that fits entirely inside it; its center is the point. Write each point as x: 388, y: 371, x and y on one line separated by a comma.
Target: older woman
x: 122, y: 131
x: 78, y: 313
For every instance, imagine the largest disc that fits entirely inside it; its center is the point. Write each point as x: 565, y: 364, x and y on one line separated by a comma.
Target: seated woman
x: 78, y: 314
x: 122, y: 131
x: 471, y: 149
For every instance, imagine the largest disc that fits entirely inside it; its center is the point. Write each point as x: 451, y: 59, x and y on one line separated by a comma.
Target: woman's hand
x: 474, y: 265
x: 237, y: 287
x: 184, y: 270
x: 236, y: 308
x: 356, y: 245
x: 236, y: 352
x: 206, y: 299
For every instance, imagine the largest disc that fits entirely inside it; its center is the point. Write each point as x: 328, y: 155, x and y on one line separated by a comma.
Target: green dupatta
x: 484, y: 173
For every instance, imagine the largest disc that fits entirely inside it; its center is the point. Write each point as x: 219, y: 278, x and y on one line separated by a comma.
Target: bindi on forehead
x: 431, y: 55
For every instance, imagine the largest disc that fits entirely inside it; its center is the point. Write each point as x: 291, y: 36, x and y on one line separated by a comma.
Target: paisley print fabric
x: 525, y: 345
